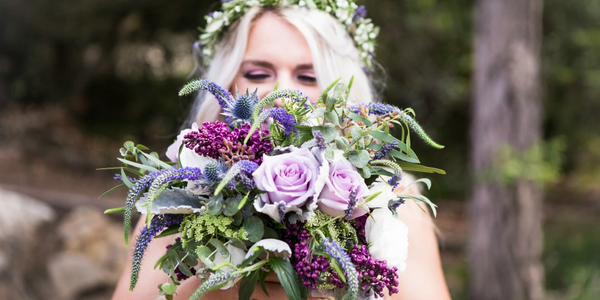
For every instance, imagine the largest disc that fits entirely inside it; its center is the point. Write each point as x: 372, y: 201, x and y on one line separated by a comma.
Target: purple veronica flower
x: 280, y: 115
x: 360, y: 13
x: 385, y: 150
x: 158, y: 223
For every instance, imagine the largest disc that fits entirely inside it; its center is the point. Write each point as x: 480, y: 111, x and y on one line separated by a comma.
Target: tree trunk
x: 505, y: 218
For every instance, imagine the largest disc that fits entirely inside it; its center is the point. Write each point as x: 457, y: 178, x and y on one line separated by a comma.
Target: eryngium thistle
x: 158, y: 223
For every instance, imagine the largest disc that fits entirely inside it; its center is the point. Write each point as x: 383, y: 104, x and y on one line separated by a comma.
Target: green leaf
x: 231, y: 204
x: 185, y: 270
x: 336, y: 266
x: 421, y: 198
x: 384, y: 137
x: 365, y: 172
x: 173, y: 256
x: 332, y: 117
x: 341, y: 143
x: 114, y: 210
x: 261, y: 278
x: 328, y: 131
x: 158, y: 162
x: 131, y: 170
x: 288, y: 278
x: 204, y: 254
x: 419, y: 168
x: 359, y: 118
x: 169, y: 231
x: 169, y: 288
x: 255, y: 228
x: 359, y: 158
x: 317, y: 113
x: 137, y: 165
x: 339, y: 92
x: 323, y: 96
x: 220, y: 247
x: 215, y: 205
x: 247, y: 285
x: 252, y: 257
x: 399, y: 155
x: 125, y: 180
x: 355, y: 132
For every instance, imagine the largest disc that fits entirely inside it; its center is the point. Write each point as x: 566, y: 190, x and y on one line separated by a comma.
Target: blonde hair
x: 333, y: 52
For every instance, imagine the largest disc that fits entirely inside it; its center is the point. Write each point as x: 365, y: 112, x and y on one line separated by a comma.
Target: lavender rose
x: 288, y: 180
x: 335, y: 198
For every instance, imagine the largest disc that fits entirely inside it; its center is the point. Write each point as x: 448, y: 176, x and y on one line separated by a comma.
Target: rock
x: 21, y: 220
x: 87, y: 232
x: 74, y: 273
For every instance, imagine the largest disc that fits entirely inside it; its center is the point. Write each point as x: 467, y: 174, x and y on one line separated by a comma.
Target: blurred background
x: 78, y: 78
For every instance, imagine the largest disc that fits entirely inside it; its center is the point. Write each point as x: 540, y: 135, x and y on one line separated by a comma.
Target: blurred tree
x: 505, y: 217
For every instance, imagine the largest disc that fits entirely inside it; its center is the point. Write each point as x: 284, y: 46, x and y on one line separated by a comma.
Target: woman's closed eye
x: 256, y: 76
x: 307, y: 78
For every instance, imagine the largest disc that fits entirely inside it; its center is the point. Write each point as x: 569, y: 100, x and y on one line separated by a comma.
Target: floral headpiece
x: 347, y: 12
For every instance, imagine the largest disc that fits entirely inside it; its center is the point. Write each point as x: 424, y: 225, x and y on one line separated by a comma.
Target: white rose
x: 388, y: 238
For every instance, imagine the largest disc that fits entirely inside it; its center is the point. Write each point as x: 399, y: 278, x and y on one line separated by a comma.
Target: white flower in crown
x: 347, y: 12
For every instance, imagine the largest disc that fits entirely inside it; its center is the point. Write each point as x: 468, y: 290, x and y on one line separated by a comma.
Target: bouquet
x: 306, y: 191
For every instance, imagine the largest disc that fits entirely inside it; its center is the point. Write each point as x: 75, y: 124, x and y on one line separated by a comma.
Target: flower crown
x: 347, y: 12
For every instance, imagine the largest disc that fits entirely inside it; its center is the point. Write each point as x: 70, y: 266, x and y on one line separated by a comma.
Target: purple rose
x: 335, y: 196
x: 287, y: 178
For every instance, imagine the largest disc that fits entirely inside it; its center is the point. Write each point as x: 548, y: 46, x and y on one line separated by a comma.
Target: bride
x: 297, y: 47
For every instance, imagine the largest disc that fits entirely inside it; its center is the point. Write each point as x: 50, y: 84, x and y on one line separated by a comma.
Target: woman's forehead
x: 274, y: 40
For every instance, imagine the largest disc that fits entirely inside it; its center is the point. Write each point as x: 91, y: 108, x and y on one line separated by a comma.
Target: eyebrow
x: 266, y: 64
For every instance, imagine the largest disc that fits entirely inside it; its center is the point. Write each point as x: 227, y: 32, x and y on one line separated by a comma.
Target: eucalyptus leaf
x: 220, y: 247
x: 332, y: 117
x: 204, y: 254
x: 255, y: 228
x: 328, y: 131
x: 317, y: 113
x: 230, y: 207
x: 359, y: 158
x: 215, y: 205
x: 169, y: 288
x: 355, y: 132
x: 173, y: 256
x: 185, y: 270
x: 399, y: 155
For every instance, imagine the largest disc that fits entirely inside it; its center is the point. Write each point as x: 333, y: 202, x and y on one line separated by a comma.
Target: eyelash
x: 257, y: 76
x: 307, y: 78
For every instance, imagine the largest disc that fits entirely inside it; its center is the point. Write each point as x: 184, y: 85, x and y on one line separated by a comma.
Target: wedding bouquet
x: 306, y: 191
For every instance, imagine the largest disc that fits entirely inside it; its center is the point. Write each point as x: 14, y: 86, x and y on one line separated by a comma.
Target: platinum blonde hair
x: 333, y: 52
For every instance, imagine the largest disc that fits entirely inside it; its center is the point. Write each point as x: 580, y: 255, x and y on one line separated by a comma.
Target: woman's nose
x: 286, y: 82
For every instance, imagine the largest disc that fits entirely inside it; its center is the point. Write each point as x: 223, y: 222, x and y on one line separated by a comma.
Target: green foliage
x: 202, y: 227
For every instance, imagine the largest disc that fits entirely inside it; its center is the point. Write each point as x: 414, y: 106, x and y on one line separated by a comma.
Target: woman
x: 303, y: 49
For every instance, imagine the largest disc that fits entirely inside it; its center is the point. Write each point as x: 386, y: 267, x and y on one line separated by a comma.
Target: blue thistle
x: 158, y: 223
x: 337, y: 252
x: 241, y: 111
x: 214, y: 171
